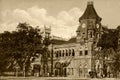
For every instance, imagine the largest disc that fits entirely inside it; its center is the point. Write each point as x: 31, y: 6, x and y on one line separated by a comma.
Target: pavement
x: 53, y: 78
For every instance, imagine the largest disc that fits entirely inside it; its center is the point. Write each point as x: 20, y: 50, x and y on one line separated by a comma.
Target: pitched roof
x: 72, y: 40
x: 90, y: 13
x: 59, y: 42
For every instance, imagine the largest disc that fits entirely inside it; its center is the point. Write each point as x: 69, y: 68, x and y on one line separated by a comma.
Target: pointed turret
x: 90, y: 12
x: 90, y: 24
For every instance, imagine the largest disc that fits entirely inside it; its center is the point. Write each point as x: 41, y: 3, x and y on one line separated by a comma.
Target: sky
x: 61, y: 15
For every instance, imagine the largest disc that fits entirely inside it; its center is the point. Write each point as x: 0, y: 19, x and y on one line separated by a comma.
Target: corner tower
x: 90, y: 24
x: 88, y: 34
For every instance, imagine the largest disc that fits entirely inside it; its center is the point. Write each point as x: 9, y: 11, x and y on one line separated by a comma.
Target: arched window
x: 60, y: 53
x: 86, y: 52
x: 90, y: 34
x: 63, y: 53
x: 56, y: 54
x: 69, y: 52
x: 66, y: 52
x: 73, y: 52
x: 80, y: 53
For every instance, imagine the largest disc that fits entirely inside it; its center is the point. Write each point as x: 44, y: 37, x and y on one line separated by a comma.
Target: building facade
x: 76, y: 59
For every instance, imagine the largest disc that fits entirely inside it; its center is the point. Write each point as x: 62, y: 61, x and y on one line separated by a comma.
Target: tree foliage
x: 109, y: 44
x: 20, y: 47
x: 109, y: 40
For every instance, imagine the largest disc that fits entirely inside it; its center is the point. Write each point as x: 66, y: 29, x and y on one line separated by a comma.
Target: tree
x: 5, y: 51
x: 116, y: 64
x: 28, y: 44
x: 109, y: 39
x: 109, y: 44
x: 22, y: 46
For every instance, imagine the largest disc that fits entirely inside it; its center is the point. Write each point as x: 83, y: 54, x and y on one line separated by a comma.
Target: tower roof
x: 90, y: 12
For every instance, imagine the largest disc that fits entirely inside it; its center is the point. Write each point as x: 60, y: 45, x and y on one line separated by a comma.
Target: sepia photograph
x: 59, y: 39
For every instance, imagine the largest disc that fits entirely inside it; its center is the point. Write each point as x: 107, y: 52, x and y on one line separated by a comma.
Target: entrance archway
x: 57, y: 69
x: 36, y: 70
x: 60, y: 69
